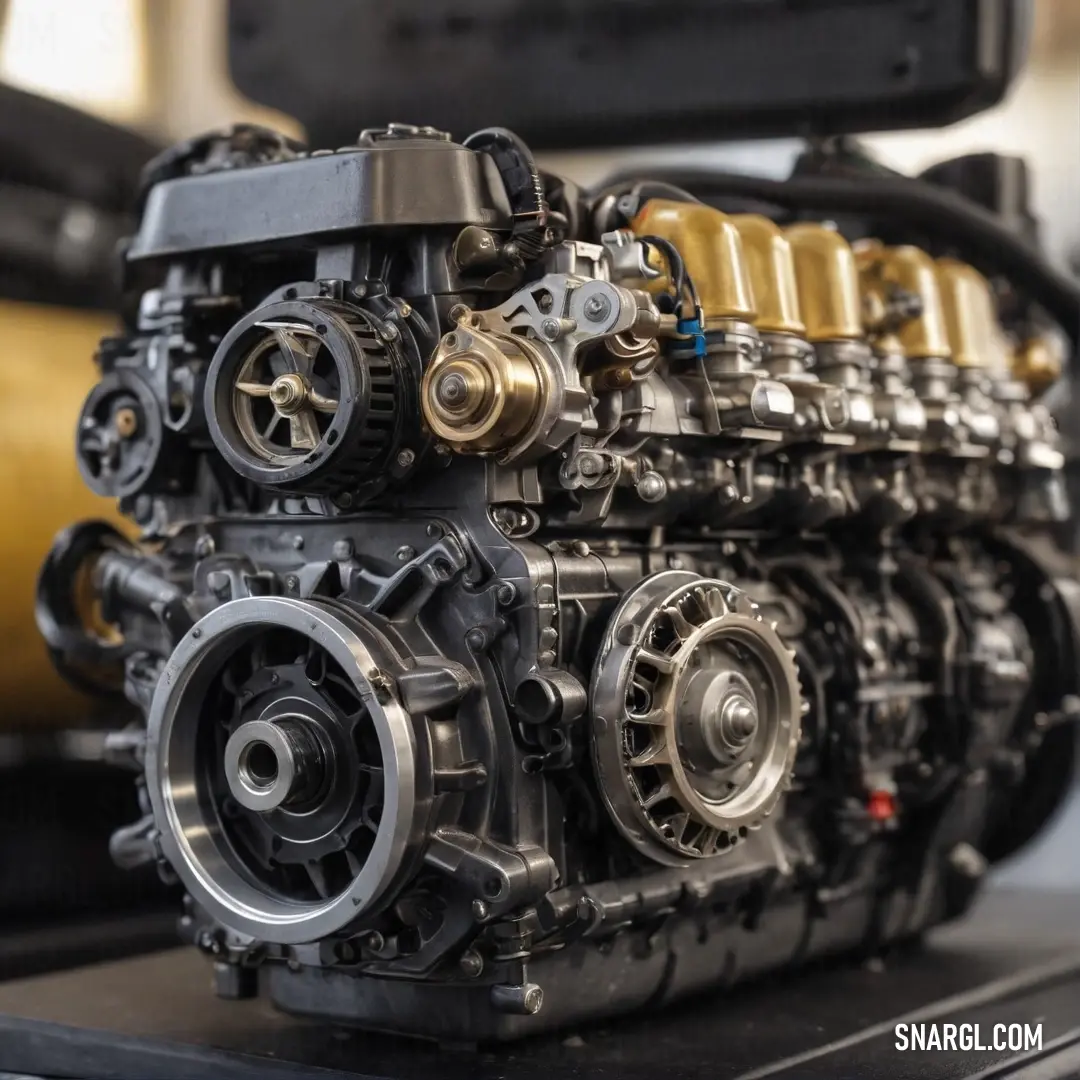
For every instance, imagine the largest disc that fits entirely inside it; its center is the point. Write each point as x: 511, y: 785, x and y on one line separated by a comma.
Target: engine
x: 549, y: 605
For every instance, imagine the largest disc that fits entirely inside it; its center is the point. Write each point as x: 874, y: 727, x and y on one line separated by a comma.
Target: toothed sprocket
x: 696, y: 715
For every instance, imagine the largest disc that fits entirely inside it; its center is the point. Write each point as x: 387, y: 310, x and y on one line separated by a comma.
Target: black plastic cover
x: 392, y: 184
x: 575, y: 73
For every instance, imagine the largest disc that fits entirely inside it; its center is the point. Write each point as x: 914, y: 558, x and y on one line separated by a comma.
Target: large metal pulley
x: 696, y: 712
x: 305, y: 396
x: 287, y: 779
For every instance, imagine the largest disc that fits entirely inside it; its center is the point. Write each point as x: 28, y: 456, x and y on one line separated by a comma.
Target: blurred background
x: 160, y: 67
x: 93, y: 88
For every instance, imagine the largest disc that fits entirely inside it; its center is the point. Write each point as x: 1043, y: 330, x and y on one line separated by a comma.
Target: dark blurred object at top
x: 588, y: 73
x: 67, y: 181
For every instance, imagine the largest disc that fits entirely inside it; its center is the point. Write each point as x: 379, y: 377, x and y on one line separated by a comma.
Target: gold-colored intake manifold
x: 827, y: 283
x: 770, y: 267
x: 1037, y: 362
x: 978, y: 339
x: 975, y: 335
x: 902, y: 306
x: 712, y: 251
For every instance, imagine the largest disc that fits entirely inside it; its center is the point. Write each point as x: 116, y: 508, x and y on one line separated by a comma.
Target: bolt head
x: 590, y: 464
x: 405, y: 458
x: 597, y: 308
x: 127, y: 422
x: 289, y: 392
x: 471, y: 964
x: 652, y: 487
x: 452, y: 389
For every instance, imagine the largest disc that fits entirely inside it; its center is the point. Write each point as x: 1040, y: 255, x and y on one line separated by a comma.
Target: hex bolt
x: 405, y: 458
x: 343, y: 549
x: 405, y: 553
x: 505, y: 593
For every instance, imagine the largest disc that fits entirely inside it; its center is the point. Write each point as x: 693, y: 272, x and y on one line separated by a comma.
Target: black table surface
x: 1016, y: 959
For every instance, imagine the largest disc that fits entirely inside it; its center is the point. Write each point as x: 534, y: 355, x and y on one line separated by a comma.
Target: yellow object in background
x: 47, y: 372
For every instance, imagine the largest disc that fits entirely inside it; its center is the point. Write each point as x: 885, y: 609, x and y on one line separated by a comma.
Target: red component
x: 881, y: 806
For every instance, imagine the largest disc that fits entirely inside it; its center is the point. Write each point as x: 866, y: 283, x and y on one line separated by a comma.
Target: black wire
x: 676, y: 266
x: 681, y: 281
x: 978, y: 233
x: 607, y: 215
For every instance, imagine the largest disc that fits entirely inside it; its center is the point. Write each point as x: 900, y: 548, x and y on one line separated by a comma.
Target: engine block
x: 550, y: 605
